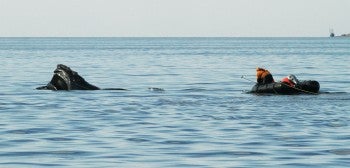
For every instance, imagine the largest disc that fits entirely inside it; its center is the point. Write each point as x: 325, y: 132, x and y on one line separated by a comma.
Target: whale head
x: 65, y: 78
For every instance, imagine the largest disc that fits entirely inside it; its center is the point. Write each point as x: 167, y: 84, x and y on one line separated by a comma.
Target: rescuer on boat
x: 263, y: 76
x: 290, y: 80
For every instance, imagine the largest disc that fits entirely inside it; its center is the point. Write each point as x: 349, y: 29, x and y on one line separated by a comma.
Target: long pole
x: 243, y: 77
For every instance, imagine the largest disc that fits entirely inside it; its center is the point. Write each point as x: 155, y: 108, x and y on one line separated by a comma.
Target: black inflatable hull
x: 305, y: 87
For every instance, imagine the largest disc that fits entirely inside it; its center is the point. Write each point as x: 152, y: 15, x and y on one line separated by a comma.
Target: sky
x: 173, y: 18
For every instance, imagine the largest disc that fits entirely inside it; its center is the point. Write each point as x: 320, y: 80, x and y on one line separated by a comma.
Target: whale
x: 64, y: 78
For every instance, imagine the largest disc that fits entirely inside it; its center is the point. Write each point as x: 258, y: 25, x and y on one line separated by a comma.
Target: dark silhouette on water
x: 288, y: 85
x: 332, y: 34
x: 65, y: 78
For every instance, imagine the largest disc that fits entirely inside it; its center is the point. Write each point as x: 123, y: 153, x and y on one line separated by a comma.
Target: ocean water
x: 203, y: 118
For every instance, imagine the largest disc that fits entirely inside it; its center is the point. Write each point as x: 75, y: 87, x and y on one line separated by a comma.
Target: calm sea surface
x: 203, y: 118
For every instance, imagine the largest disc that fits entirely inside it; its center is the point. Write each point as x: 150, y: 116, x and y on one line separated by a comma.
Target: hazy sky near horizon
x: 130, y: 18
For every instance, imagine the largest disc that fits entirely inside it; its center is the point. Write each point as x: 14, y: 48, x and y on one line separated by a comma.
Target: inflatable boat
x: 303, y: 87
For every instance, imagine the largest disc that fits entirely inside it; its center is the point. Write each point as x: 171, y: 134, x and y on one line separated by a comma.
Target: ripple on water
x: 59, y: 153
x: 32, y: 164
x: 235, y: 154
x: 29, y: 131
x: 343, y: 152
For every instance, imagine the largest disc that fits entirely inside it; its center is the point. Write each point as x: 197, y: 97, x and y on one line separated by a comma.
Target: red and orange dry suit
x: 288, y: 82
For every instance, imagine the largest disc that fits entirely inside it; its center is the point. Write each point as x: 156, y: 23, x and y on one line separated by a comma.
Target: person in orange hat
x: 263, y: 76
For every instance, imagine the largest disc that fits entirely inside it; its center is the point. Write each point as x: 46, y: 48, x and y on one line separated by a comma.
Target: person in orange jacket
x: 263, y: 76
x: 290, y: 80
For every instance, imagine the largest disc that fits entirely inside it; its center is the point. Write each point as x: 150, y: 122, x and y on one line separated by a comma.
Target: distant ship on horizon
x: 331, y: 34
